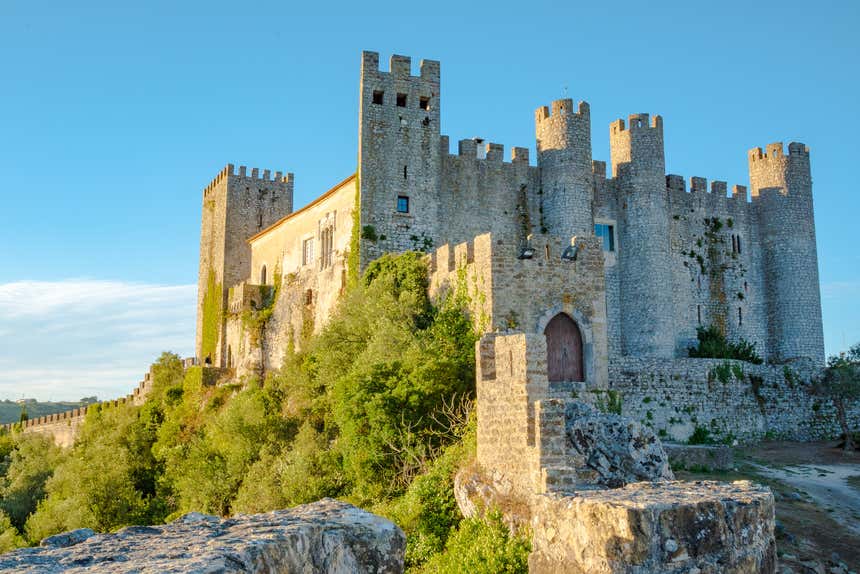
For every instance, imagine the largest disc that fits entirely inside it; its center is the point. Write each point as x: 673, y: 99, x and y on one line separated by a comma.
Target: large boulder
x: 610, y: 450
x: 326, y: 536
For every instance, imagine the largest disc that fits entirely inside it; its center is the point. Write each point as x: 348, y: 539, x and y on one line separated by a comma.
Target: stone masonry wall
x: 728, y: 399
x: 508, y: 293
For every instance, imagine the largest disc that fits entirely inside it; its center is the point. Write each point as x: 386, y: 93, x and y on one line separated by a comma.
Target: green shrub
x: 701, y: 435
x: 714, y: 345
x: 482, y: 546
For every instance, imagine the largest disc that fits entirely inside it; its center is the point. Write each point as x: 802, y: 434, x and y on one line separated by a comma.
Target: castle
x: 673, y: 259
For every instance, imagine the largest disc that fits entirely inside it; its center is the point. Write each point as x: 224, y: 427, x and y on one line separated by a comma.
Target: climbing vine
x: 213, y: 303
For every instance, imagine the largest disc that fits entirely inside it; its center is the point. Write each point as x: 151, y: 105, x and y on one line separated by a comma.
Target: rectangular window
x: 326, y: 247
x: 607, y: 235
x: 378, y: 97
x: 424, y: 103
x: 401, y: 100
x: 308, y: 251
x: 402, y: 204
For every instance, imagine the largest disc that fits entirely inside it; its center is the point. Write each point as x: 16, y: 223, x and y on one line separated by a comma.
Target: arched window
x: 263, y: 275
x: 564, y: 350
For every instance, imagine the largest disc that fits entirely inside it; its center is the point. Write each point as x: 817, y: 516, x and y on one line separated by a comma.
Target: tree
x: 841, y: 384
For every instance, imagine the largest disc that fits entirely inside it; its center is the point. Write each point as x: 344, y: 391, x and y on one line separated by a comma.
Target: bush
x: 714, y: 345
x: 482, y: 546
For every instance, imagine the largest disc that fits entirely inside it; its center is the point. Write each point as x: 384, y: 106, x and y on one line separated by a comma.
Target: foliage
x: 375, y: 409
x: 10, y: 539
x: 714, y: 345
x: 213, y: 302
x: 609, y: 401
x: 841, y: 384
x: 353, y: 258
x: 701, y: 435
x: 482, y: 546
x: 31, y: 462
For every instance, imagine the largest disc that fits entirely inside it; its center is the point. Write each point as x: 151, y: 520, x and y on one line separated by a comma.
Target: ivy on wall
x: 213, y: 302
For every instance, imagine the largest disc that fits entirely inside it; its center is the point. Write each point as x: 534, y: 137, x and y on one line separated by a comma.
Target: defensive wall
x: 64, y: 427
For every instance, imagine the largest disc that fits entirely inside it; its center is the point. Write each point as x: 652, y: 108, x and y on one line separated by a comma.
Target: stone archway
x: 564, y: 350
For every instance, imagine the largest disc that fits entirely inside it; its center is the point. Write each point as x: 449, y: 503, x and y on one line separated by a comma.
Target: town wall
x: 64, y: 427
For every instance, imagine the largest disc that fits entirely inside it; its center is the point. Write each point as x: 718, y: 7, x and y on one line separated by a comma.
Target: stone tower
x: 782, y: 195
x: 639, y: 166
x: 564, y: 157
x: 399, y: 156
x: 235, y: 207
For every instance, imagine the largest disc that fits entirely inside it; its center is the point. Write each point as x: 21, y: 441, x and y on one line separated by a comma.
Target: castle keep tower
x: 639, y: 166
x: 399, y: 153
x: 235, y: 207
x: 782, y: 195
x: 564, y: 156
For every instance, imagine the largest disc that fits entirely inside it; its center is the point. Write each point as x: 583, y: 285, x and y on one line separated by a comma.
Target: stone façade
x: 668, y: 258
x: 679, y: 257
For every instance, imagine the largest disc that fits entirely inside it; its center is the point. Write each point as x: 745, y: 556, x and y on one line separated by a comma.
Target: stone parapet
x: 666, y: 528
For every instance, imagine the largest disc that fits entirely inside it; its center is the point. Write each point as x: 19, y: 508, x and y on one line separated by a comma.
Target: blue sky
x: 115, y: 115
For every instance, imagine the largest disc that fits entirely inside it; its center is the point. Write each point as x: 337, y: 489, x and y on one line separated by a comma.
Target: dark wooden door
x: 563, y: 349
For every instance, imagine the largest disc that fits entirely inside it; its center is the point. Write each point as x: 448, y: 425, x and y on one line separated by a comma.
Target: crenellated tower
x: 564, y: 157
x: 782, y: 196
x: 399, y: 155
x: 639, y: 167
x: 236, y: 205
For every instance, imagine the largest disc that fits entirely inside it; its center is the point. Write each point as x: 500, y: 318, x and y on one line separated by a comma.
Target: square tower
x: 235, y: 207
x: 399, y: 151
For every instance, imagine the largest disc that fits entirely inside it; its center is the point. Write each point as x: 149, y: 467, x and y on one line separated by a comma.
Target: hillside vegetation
x: 376, y: 410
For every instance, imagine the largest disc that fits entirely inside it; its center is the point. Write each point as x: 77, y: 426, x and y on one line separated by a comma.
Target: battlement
x: 563, y: 107
x: 400, y: 67
x: 476, y: 148
x: 230, y: 170
x: 717, y: 188
x: 776, y: 150
x: 636, y: 122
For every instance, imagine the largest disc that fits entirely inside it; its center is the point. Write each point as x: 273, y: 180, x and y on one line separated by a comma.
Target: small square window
x: 402, y: 204
x: 424, y: 103
x: 401, y: 100
x: 378, y: 97
x: 607, y: 235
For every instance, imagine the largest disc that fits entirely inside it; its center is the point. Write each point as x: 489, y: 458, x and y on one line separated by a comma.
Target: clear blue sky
x: 115, y: 115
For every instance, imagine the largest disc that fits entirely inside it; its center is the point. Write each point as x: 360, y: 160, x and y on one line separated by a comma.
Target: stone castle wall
x: 728, y: 399
x: 64, y: 427
x: 506, y: 292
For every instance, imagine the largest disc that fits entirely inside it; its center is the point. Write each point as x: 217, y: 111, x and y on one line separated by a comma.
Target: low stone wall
x: 324, y: 537
x: 725, y: 400
x: 666, y: 527
x: 710, y: 457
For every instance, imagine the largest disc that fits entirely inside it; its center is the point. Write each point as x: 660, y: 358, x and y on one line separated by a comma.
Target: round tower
x: 782, y: 194
x: 564, y: 157
x: 639, y: 168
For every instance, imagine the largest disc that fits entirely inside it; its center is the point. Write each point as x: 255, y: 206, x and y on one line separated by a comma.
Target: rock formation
x: 324, y: 537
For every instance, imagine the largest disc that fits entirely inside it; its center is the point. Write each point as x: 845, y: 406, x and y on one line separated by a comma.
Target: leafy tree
x: 10, y: 539
x: 841, y: 384
x: 32, y: 461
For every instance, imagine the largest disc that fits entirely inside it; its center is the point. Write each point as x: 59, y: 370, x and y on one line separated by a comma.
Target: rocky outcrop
x: 612, y: 449
x: 667, y: 528
x: 326, y: 536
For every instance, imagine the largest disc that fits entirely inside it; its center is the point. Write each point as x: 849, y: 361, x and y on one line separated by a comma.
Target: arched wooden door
x: 563, y: 350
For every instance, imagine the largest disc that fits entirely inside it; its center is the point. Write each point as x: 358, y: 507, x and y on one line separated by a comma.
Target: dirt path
x: 826, y: 485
